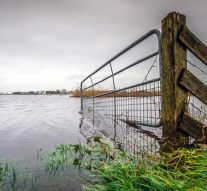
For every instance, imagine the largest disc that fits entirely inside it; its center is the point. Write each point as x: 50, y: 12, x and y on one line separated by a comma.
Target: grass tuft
x: 182, y: 170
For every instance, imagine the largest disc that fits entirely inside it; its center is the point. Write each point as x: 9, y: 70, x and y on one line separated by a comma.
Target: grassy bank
x: 114, y: 170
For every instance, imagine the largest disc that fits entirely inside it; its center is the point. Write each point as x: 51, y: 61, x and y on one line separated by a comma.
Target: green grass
x: 185, y: 170
x: 13, y: 179
x: 115, y: 170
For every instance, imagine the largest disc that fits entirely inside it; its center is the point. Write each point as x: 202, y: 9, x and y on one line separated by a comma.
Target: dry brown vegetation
x: 141, y: 93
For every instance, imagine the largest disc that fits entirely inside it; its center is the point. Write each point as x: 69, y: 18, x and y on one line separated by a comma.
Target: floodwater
x: 31, y: 122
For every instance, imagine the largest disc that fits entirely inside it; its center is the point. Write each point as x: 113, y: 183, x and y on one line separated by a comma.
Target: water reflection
x: 133, y: 138
x: 28, y: 123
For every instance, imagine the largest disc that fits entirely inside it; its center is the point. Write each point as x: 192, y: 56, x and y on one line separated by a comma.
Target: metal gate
x: 131, y: 110
x: 129, y: 114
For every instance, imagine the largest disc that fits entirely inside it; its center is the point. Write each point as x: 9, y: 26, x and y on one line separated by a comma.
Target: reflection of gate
x: 132, y: 115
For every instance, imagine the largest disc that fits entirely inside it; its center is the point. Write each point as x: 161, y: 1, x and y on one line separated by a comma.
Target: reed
x: 13, y: 179
x: 109, y: 93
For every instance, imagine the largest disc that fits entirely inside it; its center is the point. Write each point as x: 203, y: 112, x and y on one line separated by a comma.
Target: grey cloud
x: 71, y: 38
x: 75, y: 77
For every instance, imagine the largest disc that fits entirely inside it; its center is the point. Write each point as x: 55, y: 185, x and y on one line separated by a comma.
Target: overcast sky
x: 53, y: 44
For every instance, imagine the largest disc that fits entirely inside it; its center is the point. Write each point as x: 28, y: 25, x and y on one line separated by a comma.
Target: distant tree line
x: 49, y: 92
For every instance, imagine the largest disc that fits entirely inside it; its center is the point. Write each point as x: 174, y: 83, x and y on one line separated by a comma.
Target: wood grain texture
x: 173, y: 62
x: 193, y: 127
x: 195, y: 45
x: 194, y: 85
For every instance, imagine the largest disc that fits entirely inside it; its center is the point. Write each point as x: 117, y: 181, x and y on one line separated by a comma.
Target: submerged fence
x: 149, y: 112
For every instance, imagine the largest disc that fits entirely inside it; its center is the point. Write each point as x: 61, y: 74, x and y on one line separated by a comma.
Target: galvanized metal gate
x: 126, y: 114
x: 132, y: 115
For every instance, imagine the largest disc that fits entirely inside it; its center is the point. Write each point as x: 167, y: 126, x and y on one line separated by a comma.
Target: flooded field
x: 28, y: 123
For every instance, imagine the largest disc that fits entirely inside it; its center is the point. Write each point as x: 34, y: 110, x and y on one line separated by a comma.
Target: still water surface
x: 28, y: 123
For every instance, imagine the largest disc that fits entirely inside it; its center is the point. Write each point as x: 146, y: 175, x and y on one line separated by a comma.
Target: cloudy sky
x: 53, y: 44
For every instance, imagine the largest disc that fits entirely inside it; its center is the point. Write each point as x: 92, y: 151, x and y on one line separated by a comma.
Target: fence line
x: 151, y: 115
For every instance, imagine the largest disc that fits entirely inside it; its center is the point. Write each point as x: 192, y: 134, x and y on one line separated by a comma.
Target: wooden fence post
x: 174, y: 98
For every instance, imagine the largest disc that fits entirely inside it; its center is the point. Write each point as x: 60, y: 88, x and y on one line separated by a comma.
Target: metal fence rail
x: 126, y: 114
x: 132, y: 115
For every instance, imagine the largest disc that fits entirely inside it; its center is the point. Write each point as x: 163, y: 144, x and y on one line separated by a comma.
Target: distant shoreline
x: 70, y: 95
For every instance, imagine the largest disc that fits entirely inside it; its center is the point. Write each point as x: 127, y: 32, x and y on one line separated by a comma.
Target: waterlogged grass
x: 13, y: 179
x: 114, y: 170
x: 111, y: 169
x: 87, y: 156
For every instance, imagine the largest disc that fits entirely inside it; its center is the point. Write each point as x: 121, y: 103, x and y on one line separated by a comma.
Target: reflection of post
x: 81, y: 122
x: 114, y: 87
x: 81, y: 95
x: 93, y: 99
x: 173, y: 97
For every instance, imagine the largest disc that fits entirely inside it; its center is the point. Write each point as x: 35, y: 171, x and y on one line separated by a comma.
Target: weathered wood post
x: 174, y: 98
